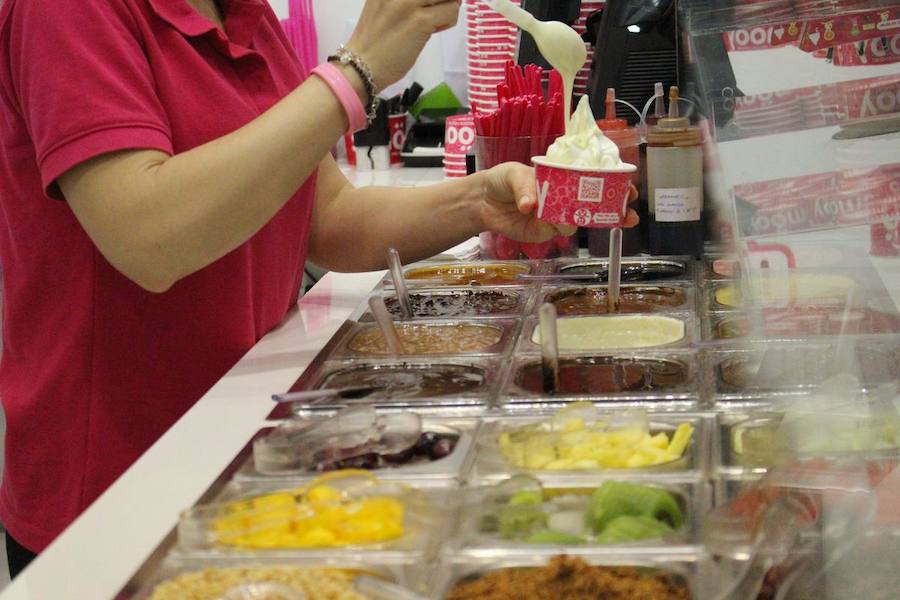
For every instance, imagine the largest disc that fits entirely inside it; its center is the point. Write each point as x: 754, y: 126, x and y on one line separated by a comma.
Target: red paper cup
x: 459, y: 134
x: 582, y: 196
x: 397, y: 129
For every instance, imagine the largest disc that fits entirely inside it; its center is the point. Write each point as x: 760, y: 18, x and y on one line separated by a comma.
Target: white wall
x: 280, y: 7
x: 442, y: 60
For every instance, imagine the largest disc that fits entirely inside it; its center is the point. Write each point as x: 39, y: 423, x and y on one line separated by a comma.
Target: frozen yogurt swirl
x: 585, y: 146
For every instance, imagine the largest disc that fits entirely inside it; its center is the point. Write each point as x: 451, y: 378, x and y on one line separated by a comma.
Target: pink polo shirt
x: 94, y: 368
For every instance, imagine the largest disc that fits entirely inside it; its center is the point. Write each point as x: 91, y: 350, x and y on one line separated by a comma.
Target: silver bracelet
x: 345, y: 56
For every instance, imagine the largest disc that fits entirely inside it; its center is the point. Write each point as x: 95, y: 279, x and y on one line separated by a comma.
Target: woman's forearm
x: 420, y: 222
x: 195, y: 207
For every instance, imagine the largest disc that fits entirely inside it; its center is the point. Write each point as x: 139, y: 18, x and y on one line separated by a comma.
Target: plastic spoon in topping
x: 378, y: 589
x: 549, y: 348
x: 558, y: 43
x: 615, y: 269
x: 347, y: 393
x: 396, y: 269
x: 383, y: 318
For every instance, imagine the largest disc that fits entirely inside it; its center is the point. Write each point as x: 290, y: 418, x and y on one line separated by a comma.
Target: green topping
x: 526, y: 497
x: 554, y: 537
x: 522, y: 520
x: 632, y: 529
x: 617, y: 498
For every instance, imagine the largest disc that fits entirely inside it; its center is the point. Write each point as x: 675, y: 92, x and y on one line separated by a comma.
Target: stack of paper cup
x: 491, y: 40
x: 582, y: 77
x: 459, y: 136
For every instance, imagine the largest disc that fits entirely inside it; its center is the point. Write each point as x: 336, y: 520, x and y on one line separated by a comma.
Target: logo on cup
x: 463, y: 136
x: 590, y: 189
x: 582, y: 217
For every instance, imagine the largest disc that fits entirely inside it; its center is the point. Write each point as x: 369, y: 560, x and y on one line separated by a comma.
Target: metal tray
x: 693, y: 498
x: 685, y: 563
x: 649, y: 389
x: 323, y: 373
x: 518, y: 299
x: 775, y: 368
x: 459, y: 271
x: 691, y: 334
x: 507, y: 332
x: 401, y: 570
x: 685, y: 264
x: 444, y: 472
x: 552, y: 292
x: 489, y: 466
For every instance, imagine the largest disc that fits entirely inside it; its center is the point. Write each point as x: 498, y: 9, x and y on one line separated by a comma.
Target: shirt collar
x: 242, y: 20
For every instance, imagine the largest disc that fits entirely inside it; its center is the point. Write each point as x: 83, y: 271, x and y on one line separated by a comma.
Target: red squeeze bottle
x: 628, y: 140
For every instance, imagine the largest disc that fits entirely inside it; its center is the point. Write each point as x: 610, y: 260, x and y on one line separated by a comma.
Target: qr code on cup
x: 590, y: 189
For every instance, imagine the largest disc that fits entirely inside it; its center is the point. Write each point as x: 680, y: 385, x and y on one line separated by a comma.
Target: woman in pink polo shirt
x: 164, y: 175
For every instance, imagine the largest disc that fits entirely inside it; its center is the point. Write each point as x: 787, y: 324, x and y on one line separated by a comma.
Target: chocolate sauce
x: 406, y: 380
x: 606, y: 375
x: 458, y: 303
x: 632, y: 270
x: 637, y: 299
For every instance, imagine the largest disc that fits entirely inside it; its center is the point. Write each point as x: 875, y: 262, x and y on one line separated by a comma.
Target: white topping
x: 585, y: 145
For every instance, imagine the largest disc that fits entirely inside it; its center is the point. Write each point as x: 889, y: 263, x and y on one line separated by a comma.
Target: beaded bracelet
x: 345, y: 56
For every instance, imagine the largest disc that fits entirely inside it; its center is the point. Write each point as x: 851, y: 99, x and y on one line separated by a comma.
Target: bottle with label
x: 675, y: 184
x: 628, y: 139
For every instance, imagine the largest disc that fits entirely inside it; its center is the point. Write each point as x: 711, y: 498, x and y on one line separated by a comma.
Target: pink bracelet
x: 345, y: 94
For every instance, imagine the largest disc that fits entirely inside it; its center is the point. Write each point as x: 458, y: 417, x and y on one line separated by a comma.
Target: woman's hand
x: 390, y: 34
x: 508, y: 205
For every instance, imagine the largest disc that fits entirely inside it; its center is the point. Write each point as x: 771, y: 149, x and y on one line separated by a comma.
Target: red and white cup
x: 459, y: 135
x: 397, y: 130
x: 582, y: 196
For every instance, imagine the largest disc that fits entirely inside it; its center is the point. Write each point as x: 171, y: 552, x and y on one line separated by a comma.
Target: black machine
x: 638, y: 43
x: 635, y: 46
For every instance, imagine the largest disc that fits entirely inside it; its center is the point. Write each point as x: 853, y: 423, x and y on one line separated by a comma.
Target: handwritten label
x: 678, y: 205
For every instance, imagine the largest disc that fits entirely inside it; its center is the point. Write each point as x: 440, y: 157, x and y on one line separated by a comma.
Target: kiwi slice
x: 628, y: 528
x: 554, y: 537
x: 618, y: 498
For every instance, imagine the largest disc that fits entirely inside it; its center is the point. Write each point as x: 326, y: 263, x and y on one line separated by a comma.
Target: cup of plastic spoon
x: 396, y: 269
x: 549, y: 347
x: 386, y: 324
x: 615, y: 268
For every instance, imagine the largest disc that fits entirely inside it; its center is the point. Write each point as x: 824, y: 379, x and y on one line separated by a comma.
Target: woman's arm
x: 159, y: 218
x: 354, y: 227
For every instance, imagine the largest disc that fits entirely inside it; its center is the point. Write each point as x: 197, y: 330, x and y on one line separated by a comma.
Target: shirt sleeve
x: 83, y: 83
